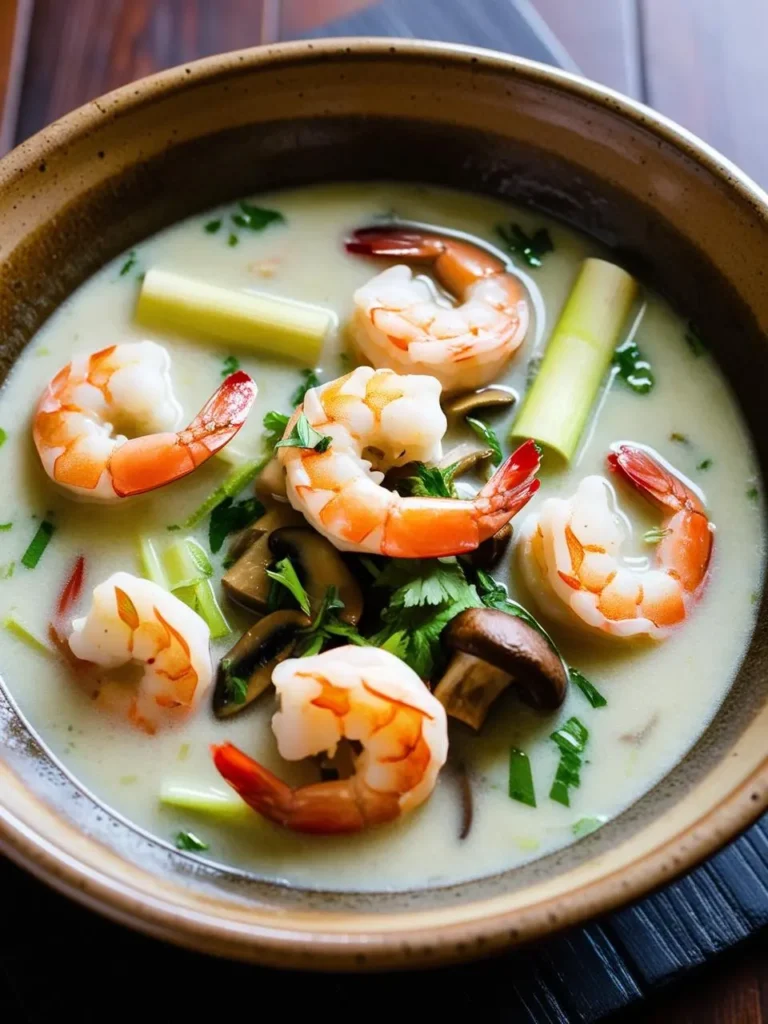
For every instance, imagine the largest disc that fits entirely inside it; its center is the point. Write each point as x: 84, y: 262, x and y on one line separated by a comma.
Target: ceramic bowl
x: 680, y: 216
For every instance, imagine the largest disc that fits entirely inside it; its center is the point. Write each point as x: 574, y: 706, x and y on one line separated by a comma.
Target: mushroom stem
x: 468, y: 688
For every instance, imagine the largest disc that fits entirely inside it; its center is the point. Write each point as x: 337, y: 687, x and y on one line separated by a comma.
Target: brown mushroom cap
x: 486, y: 398
x: 319, y: 566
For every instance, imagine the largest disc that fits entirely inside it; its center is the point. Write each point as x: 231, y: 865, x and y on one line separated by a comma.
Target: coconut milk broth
x: 660, y: 697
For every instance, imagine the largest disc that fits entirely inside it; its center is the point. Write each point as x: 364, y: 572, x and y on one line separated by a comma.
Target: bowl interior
x: 139, y: 159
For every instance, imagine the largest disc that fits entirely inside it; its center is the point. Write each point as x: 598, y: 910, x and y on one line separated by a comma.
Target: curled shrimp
x: 78, y: 423
x: 380, y: 417
x: 398, y: 324
x: 570, y: 548
x: 362, y: 694
x: 136, y: 621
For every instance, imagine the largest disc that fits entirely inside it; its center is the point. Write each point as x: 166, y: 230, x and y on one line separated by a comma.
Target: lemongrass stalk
x: 151, y: 566
x: 188, y: 570
x: 557, y: 406
x: 17, y: 628
x: 208, y: 607
x: 223, y: 805
x: 260, y: 322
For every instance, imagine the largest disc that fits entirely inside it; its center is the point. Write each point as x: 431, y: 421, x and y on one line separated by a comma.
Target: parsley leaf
x: 230, y: 365
x: 429, y: 482
x: 311, y: 380
x: 274, y: 423
x: 704, y: 464
x: 229, y: 516
x: 189, y: 841
x: 633, y: 368
x: 212, y: 226
x: 487, y: 434
x: 327, y: 627
x: 532, y: 249
x: 285, y: 574
x: 129, y: 264
x: 255, y: 217
x: 304, y: 435
x: 233, y: 240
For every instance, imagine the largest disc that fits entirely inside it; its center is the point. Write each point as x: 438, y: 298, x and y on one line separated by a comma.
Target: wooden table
x: 702, y: 62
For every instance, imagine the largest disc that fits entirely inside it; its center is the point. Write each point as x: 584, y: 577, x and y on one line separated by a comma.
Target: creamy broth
x: 660, y: 696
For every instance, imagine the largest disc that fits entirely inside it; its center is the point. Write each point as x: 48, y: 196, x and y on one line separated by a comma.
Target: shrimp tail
x: 510, y: 488
x: 324, y: 808
x: 653, y: 480
x: 143, y: 463
x: 406, y: 245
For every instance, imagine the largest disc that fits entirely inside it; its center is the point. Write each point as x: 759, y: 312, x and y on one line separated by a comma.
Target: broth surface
x: 660, y: 696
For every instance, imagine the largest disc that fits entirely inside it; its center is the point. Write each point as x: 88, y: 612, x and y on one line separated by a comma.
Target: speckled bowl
x: 680, y: 216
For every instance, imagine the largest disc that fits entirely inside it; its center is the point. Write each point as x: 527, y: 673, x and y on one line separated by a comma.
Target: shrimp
x: 362, y: 694
x: 136, y: 621
x: 78, y: 423
x: 569, y: 553
x: 378, y: 416
x: 398, y: 324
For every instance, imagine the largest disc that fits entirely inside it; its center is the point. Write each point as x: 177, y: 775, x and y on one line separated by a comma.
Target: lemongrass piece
x: 208, y: 607
x: 151, y: 566
x: 557, y: 406
x: 17, y: 628
x: 260, y: 322
x: 213, y: 803
x: 188, y: 570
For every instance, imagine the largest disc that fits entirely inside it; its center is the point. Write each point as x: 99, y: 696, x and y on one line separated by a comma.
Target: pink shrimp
x: 78, y: 419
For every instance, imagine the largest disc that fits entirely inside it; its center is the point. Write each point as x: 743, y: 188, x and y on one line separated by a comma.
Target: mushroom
x: 253, y: 658
x: 490, y: 551
x: 486, y: 398
x: 246, y: 581
x: 271, y: 480
x: 466, y: 458
x: 491, y: 651
x: 318, y: 565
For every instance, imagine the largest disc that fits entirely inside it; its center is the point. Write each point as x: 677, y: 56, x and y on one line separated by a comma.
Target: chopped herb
x: 7, y: 570
x: 494, y: 595
x: 20, y: 631
x: 200, y: 559
x: 521, y: 778
x: 285, y: 574
x: 232, y: 241
x: 234, y: 483
x: 6, y: 526
x: 532, y: 370
x: 189, y: 841
x: 429, y: 482
x: 487, y: 434
x: 173, y: 527
x: 3, y: 437
x: 584, y: 826
x: 274, y: 424
x: 695, y: 342
x: 680, y: 438
x: 236, y: 686
x: 753, y: 493
x: 633, y: 368
x: 397, y: 644
x: 570, y: 739
x: 38, y: 544
x: 593, y: 695
x: 311, y: 380
x: 129, y: 264
x: 328, y: 627
x: 256, y: 218
x: 704, y: 464
x: 212, y: 226
x: 532, y: 249
x: 304, y: 435
x: 655, y: 535
x: 229, y: 516
x: 230, y: 365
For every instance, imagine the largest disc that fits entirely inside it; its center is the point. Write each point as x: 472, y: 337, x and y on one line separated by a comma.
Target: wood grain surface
x: 703, y: 62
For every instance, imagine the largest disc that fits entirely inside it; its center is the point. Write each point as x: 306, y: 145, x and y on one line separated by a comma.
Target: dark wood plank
x: 299, y: 16
x: 110, y: 42
x: 706, y: 68
x: 15, y: 19
x: 601, y: 36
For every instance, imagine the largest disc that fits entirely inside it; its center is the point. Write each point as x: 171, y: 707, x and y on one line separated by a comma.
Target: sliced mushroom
x: 253, y: 658
x: 318, y: 565
x: 271, y: 480
x: 486, y: 398
x: 487, y: 554
x: 466, y: 458
x: 492, y: 651
x: 246, y: 581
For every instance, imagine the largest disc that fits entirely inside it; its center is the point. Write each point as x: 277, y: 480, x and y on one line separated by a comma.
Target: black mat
x: 56, y: 958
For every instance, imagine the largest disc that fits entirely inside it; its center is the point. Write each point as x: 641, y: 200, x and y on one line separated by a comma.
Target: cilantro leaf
x: 129, y: 264
x: 285, y: 574
x: 633, y: 368
x: 189, y: 841
x: 696, y: 343
x: 532, y: 249
x: 311, y: 380
x: 229, y: 516
x: 233, y: 240
x: 274, y: 423
x: 487, y: 434
x: 212, y: 226
x: 230, y: 365
x: 236, y: 687
x: 255, y: 217
x: 304, y: 435
x: 430, y: 482
x: 326, y: 627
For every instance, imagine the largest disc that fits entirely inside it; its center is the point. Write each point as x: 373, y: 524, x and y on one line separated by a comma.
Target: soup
x: 520, y: 781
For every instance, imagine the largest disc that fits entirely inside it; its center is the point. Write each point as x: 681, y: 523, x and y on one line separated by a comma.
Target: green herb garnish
x: 633, y: 368
x: 593, y: 695
x: 230, y: 516
x: 584, y: 826
x: 256, y: 218
x: 230, y: 365
x: 487, y: 434
x: 285, y: 574
x: 328, y: 627
x: 521, y: 778
x: 236, y: 687
x: 429, y: 482
x: 7, y: 570
x: 532, y: 249
x: 704, y: 464
x: 189, y: 842
x: 311, y: 380
x: 212, y: 226
x: 494, y: 595
x: 570, y: 739
x: 695, y: 342
x: 233, y: 240
x: 129, y: 264
x: 38, y: 544
x: 274, y: 424
x: 753, y: 493
x: 6, y: 526
x: 234, y: 483
x: 680, y: 438
x: 304, y: 435
x: 3, y: 437
x: 655, y: 535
